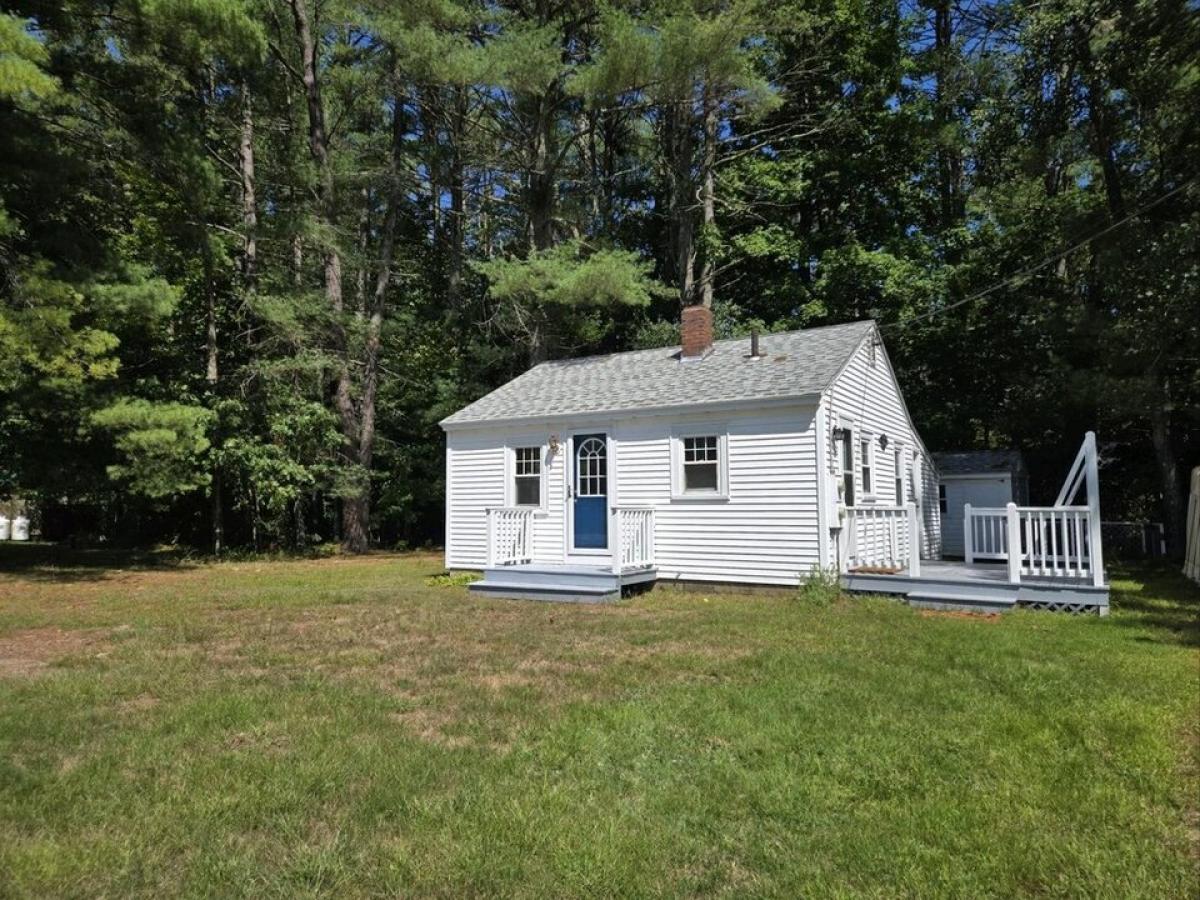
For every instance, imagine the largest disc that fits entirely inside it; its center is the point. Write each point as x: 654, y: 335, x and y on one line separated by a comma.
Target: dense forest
x: 251, y: 251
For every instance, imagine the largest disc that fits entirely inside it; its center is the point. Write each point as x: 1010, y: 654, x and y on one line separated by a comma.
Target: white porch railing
x: 1059, y: 541
x: 635, y: 538
x: 509, y: 535
x: 1053, y: 541
x: 883, y: 537
x: 985, y: 532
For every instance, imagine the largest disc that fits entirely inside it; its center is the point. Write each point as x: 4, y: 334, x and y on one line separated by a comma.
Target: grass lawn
x: 342, y: 727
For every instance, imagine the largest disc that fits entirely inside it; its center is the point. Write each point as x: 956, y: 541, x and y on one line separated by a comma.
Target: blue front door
x: 590, y: 492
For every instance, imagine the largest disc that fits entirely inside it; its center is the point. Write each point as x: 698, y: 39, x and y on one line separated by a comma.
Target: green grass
x: 349, y: 727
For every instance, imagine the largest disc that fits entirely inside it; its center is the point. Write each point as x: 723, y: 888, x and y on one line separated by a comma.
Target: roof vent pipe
x: 754, y: 354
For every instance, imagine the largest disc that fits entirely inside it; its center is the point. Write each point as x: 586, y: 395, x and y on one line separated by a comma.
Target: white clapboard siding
x: 479, y: 475
x: 474, y: 481
x: 765, y: 532
x: 866, y: 397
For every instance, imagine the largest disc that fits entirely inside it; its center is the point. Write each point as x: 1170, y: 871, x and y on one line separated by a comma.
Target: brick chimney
x: 696, y: 333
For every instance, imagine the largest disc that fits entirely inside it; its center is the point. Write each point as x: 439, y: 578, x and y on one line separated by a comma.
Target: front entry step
x: 562, y: 583
x: 520, y: 591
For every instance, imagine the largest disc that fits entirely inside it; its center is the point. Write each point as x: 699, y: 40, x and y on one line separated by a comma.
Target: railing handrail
x: 516, y: 544
x: 634, y: 529
x: 1003, y: 510
x: 892, y: 537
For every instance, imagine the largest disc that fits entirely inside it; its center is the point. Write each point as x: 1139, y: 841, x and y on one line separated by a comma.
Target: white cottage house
x: 748, y: 461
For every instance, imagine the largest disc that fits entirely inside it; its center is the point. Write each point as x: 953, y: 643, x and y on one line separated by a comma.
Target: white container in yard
x: 20, y: 528
x: 5, y: 530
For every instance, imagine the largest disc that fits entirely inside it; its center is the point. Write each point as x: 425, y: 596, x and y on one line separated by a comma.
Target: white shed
x: 981, y: 478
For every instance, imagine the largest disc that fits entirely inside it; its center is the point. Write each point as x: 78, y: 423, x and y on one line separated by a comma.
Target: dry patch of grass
x: 32, y: 652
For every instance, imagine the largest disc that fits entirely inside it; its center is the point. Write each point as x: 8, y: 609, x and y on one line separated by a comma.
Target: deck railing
x: 1059, y: 541
x: 1052, y: 541
x: 985, y: 532
x: 883, y: 538
x: 509, y: 535
x: 635, y: 538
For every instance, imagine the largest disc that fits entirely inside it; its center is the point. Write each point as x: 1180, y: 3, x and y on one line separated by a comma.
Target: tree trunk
x: 948, y: 154
x: 211, y: 375
x: 428, y: 109
x: 1174, y: 503
x: 360, y: 506
x: 541, y: 191
x: 1101, y: 127
x: 249, y: 204
x: 458, y: 194
x: 677, y: 136
x: 297, y: 262
x: 355, y: 510
x: 211, y: 352
x: 708, y: 197
x: 362, y: 273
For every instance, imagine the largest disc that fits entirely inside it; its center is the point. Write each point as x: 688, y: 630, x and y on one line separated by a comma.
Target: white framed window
x: 527, y: 476
x: 846, y: 465
x: 700, y: 464
x: 866, y: 464
x: 941, y: 498
x: 901, y: 499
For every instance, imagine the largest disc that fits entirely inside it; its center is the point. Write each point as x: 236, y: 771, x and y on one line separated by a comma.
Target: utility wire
x: 1043, y: 263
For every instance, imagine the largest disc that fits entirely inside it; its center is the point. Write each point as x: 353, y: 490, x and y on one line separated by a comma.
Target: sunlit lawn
x: 343, y: 727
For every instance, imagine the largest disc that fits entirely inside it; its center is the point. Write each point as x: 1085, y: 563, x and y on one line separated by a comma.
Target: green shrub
x: 822, y: 587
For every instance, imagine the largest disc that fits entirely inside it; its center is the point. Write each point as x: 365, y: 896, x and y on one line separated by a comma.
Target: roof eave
x: 808, y: 397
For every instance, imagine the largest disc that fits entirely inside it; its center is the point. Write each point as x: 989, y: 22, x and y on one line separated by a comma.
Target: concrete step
x: 523, y: 590
x: 957, y: 602
x: 554, y: 576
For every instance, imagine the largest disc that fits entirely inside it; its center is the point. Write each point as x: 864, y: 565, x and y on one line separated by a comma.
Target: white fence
x: 883, y: 538
x: 635, y: 538
x: 509, y: 535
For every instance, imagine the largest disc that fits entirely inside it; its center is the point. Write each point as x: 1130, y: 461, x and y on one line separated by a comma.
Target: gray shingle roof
x: 976, y: 462
x: 796, y: 363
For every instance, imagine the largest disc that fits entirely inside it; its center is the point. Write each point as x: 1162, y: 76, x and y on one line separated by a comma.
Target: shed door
x: 589, y: 493
x: 992, y: 492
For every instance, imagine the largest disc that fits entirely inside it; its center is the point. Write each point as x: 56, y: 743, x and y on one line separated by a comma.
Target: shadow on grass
x: 60, y: 563
x: 1159, y: 599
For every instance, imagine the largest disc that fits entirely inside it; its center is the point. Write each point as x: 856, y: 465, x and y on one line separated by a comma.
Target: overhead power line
x: 1029, y: 270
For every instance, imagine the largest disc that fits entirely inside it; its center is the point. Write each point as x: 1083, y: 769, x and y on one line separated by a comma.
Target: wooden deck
x: 562, y: 583
x: 942, y: 585
x: 981, y: 587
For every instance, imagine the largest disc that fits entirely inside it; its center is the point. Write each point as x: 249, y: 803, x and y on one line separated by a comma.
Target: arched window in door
x: 591, y: 468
